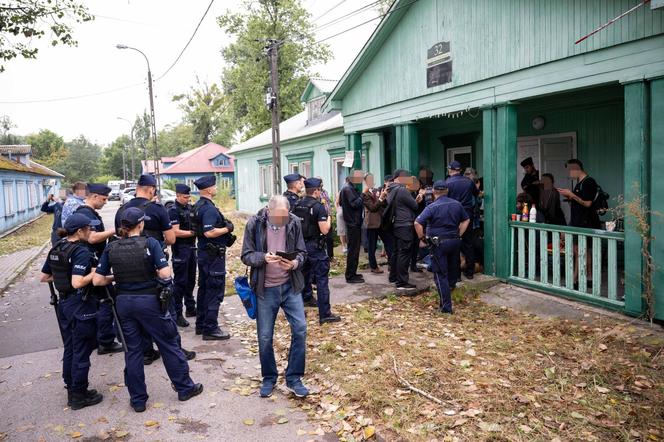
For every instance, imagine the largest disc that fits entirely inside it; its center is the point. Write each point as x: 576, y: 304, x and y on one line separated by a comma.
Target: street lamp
x: 154, y: 125
x: 133, y: 147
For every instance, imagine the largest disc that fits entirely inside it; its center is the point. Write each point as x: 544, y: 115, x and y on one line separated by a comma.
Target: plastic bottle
x: 525, y: 213
x: 533, y: 214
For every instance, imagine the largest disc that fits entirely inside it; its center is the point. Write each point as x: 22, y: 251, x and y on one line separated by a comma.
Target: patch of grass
x: 34, y: 234
x: 362, y: 314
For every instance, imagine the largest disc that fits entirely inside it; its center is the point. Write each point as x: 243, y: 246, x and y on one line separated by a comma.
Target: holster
x: 215, y: 250
x: 165, y: 294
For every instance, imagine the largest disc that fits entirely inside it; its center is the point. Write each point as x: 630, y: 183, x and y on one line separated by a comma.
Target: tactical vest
x: 130, y: 260
x: 156, y: 234
x: 59, y: 259
x: 185, y: 215
x: 304, y: 209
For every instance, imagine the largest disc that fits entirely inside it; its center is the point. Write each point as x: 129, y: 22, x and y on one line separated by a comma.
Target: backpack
x: 304, y: 209
x: 601, y: 200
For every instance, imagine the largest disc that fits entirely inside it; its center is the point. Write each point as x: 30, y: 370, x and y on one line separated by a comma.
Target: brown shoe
x: 377, y: 270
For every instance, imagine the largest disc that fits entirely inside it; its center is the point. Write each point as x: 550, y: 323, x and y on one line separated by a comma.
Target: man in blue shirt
x: 213, y: 233
x: 54, y: 206
x: 96, y: 199
x: 445, y: 220
x: 184, y: 254
x: 464, y: 190
x: 78, y: 191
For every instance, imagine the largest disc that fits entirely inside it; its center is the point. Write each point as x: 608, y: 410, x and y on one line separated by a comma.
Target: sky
x: 159, y: 28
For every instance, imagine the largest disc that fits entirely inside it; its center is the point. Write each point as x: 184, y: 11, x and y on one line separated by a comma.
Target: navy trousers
x: 211, y: 290
x: 79, y: 329
x: 184, y: 269
x: 105, y: 326
x: 468, y: 249
x: 139, y: 315
x: 444, y: 266
x: 317, y: 268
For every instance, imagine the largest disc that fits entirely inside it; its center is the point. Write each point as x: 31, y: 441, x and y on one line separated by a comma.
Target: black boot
x: 88, y: 393
x: 181, y: 322
x: 83, y: 399
x: 150, y: 356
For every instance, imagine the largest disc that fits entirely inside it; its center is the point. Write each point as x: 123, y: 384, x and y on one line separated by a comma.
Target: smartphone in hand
x: 287, y: 255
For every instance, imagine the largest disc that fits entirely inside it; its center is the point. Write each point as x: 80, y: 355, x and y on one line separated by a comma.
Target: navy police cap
x: 132, y: 216
x: 291, y: 178
x: 454, y: 165
x: 99, y: 189
x: 205, y: 181
x: 147, y: 180
x: 310, y: 183
x: 182, y: 188
x: 440, y: 185
x: 77, y: 221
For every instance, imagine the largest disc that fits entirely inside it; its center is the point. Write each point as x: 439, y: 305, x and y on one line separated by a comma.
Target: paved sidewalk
x: 13, y: 264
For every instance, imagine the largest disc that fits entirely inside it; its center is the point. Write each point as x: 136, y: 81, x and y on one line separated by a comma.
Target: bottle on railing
x: 525, y: 213
x: 533, y: 214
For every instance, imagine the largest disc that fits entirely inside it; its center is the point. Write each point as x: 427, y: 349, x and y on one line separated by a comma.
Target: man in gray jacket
x: 274, y: 249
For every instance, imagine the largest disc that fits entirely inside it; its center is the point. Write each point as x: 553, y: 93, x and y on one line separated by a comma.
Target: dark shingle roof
x: 15, y: 149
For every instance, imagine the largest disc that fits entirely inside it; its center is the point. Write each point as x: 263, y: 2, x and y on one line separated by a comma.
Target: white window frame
x: 22, y: 195
x: 265, y: 180
x: 8, y: 195
x: 452, y: 152
x: 335, y: 161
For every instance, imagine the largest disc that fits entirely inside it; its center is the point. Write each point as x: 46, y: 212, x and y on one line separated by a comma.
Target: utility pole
x: 272, y: 101
x: 124, y: 164
x: 154, y: 129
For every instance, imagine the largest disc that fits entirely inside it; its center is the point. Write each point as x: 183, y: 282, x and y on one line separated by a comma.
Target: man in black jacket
x: 353, y: 211
x: 402, y: 208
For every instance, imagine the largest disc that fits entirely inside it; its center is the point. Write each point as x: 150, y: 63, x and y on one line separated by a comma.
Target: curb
x: 19, y: 270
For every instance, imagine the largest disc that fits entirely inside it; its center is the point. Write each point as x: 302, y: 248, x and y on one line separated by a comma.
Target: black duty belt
x: 145, y: 291
x: 67, y: 295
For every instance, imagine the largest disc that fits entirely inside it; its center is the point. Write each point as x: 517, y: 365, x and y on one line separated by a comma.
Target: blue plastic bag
x: 246, y: 294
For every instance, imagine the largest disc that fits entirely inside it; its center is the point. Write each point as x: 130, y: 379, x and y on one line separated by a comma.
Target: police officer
x: 184, y: 254
x: 316, y: 224
x: 142, y: 278
x: 445, y: 221
x: 69, y: 268
x: 294, y: 184
x: 213, y: 233
x: 464, y: 190
x: 158, y: 227
x: 97, y: 196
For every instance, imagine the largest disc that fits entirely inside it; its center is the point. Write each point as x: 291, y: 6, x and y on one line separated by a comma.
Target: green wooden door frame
x: 637, y: 181
x: 354, y: 143
x: 407, y: 147
x: 656, y: 184
x: 499, y: 164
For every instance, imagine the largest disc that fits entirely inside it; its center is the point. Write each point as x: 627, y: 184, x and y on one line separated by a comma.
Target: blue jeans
x: 268, y: 306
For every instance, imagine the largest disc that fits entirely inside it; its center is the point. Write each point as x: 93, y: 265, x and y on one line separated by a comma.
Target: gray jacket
x: 402, y: 202
x: 254, y: 248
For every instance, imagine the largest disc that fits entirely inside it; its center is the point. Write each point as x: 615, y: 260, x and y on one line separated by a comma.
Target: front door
x: 549, y: 153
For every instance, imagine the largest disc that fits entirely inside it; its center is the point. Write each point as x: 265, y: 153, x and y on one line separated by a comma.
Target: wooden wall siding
x: 656, y: 189
x: 489, y: 38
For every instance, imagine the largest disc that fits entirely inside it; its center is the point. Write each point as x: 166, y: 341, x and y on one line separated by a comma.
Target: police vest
x: 59, y: 259
x: 197, y: 222
x: 185, y: 215
x: 304, y: 209
x: 130, y: 260
x: 156, y: 234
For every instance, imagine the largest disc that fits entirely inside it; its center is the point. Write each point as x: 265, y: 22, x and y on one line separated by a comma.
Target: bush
x: 104, y: 179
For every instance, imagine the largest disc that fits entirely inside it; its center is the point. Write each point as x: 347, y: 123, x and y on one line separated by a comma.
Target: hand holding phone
x: 288, y: 256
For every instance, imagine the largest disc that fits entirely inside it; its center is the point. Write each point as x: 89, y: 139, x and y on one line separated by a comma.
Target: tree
x: 45, y: 144
x: 142, y: 131
x: 173, y: 140
x: 82, y: 160
x: 205, y: 109
x: 111, y: 162
x: 246, y: 77
x: 6, y: 124
x: 21, y: 21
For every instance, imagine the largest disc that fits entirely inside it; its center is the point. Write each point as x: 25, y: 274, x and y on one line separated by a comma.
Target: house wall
x: 247, y: 163
x: 531, y: 33
x: 31, y: 203
x: 189, y: 178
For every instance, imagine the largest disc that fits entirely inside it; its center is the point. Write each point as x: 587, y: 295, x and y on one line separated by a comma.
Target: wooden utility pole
x: 273, y: 104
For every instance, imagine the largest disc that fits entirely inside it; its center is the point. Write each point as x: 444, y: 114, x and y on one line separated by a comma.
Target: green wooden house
x: 489, y: 82
x: 312, y: 144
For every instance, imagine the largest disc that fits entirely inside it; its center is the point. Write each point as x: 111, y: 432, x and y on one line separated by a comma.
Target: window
x: 265, y: 179
x: 221, y: 161
x: 8, y: 193
x: 22, y: 195
x: 464, y: 155
x: 32, y: 195
x: 339, y: 172
x: 301, y: 163
x: 314, y: 109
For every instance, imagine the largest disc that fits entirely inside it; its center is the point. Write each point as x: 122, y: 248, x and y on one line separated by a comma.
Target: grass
x: 502, y: 375
x: 33, y: 235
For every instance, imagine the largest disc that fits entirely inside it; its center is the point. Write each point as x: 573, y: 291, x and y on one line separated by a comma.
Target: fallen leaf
x: 157, y: 405
x: 301, y: 432
x: 489, y: 427
x: 282, y: 420
x: 525, y: 428
x: 459, y: 422
x: 6, y: 367
x: 471, y: 352
x: 75, y: 434
x: 248, y: 421
x: 121, y: 433
x: 576, y: 415
x: 26, y: 384
x: 602, y: 347
x: 103, y: 435
x: 369, y: 432
x: 172, y: 418
x: 602, y: 390
x: 450, y: 412
x: 388, y: 411
x: 151, y: 423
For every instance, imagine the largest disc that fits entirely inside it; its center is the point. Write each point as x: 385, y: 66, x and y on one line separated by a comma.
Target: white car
x: 127, y: 194
x: 167, y: 197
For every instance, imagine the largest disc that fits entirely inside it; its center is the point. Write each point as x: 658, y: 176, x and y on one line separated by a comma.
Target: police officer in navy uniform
x: 445, y: 221
x: 213, y: 233
x: 158, y: 227
x: 316, y: 224
x: 294, y: 184
x: 143, y: 279
x: 184, y: 254
x: 69, y: 267
x: 464, y: 190
x: 95, y: 200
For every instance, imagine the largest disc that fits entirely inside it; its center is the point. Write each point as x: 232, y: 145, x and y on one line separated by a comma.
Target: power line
x: 348, y: 15
x: 365, y: 22
x: 74, y: 97
x: 188, y: 42
x: 329, y: 10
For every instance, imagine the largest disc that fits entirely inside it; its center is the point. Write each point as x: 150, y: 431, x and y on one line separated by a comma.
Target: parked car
x: 127, y: 194
x: 166, y: 196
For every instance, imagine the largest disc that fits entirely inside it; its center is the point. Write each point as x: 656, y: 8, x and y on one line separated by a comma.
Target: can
x: 514, y: 217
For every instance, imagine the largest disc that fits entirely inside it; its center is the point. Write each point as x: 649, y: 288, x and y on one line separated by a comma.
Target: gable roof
x: 317, y: 87
x: 396, y: 12
x: 294, y: 127
x: 32, y: 167
x: 196, y: 160
x: 21, y: 149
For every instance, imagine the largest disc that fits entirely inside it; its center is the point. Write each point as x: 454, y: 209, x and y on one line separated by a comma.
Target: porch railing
x: 553, y: 259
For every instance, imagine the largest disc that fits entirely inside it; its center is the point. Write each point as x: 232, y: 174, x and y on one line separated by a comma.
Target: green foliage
x: 111, y: 162
x: 6, y: 125
x: 204, y: 108
x: 45, y: 144
x: 142, y: 131
x: 104, y: 179
x: 170, y: 184
x: 80, y: 160
x: 173, y: 140
x: 21, y: 21
x: 246, y: 77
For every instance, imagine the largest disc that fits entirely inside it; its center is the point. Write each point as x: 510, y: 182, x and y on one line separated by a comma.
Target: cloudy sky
x: 160, y: 29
